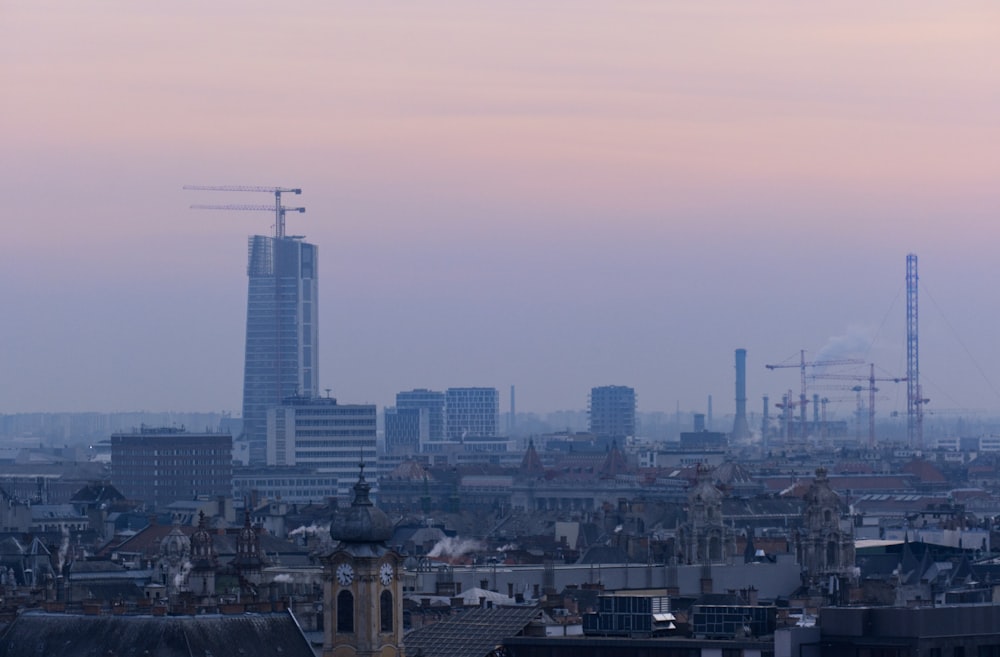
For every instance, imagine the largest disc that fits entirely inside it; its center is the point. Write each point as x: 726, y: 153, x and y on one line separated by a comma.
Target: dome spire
x: 362, y: 522
x: 362, y: 488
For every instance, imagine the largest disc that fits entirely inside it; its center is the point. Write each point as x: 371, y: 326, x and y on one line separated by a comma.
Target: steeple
x: 363, y: 522
x: 531, y: 464
x: 363, y: 591
x: 614, y: 463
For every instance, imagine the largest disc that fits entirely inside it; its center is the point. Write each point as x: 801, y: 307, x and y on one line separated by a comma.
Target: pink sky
x: 553, y: 195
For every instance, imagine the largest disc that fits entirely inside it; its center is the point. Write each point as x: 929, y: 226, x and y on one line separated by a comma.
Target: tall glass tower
x: 282, y: 338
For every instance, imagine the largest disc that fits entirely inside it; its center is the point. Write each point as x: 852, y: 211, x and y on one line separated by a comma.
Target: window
x: 345, y: 612
x: 385, y: 609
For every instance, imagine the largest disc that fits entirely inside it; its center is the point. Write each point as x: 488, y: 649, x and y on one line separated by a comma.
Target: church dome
x: 820, y: 493
x: 175, y: 544
x: 363, y: 522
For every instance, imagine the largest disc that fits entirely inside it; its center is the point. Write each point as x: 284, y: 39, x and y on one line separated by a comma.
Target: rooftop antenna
x: 278, y: 209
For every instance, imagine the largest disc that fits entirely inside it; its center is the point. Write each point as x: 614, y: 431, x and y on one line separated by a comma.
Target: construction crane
x: 279, y: 227
x: 871, y: 379
x: 278, y: 209
x: 859, y: 412
x: 802, y: 365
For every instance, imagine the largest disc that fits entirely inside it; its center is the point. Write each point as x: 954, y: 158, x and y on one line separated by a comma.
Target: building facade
x: 160, y: 466
x: 432, y: 401
x: 290, y: 484
x: 282, y: 351
x: 417, y: 419
x: 612, y: 411
x: 472, y: 412
x: 406, y: 429
x: 321, y: 434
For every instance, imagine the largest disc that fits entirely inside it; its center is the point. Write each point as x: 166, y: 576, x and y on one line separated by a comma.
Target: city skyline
x: 556, y: 197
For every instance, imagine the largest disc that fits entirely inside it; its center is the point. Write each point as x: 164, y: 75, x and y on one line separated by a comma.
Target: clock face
x: 345, y: 574
x: 385, y: 574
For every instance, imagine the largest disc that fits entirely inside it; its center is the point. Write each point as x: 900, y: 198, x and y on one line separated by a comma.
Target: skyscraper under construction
x: 281, y: 342
x: 282, y: 356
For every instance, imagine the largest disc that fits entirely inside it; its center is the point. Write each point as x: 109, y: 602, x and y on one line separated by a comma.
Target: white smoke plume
x: 283, y: 578
x: 451, y: 546
x: 63, y: 550
x: 311, y: 530
x: 181, y: 576
x: 856, y: 343
x: 505, y: 548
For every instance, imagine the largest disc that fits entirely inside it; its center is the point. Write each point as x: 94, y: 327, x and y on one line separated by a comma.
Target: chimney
x: 741, y: 431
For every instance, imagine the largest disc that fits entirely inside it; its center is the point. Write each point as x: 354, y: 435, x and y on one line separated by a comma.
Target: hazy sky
x: 554, y: 195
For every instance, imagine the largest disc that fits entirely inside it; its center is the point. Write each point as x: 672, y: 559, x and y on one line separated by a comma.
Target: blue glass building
x: 282, y: 332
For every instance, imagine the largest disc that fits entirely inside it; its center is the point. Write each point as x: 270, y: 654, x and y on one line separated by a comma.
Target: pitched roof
x: 473, y: 633
x: 925, y: 471
x: 67, y: 635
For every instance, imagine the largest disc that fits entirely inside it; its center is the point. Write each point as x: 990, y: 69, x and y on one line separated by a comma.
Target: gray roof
x: 65, y: 635
x: 472, y: 633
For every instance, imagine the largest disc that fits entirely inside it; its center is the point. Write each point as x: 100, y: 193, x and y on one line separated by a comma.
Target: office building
x: 431, y: 400
x: 417, y: 419
x: 612, y: 411
x: 472, y: 412
x: 406, y: 429
x: 321, y: 434
x: 282, y: 328
x: 160, y: 466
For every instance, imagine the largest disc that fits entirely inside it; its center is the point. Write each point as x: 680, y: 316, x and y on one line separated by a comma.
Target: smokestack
x: 741, y: 431
x: 708, y: 418
x: 765, y: 422
x: 512, y: 415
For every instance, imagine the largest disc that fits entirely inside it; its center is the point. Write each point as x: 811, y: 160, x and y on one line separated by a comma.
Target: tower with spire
x: 362, y: 587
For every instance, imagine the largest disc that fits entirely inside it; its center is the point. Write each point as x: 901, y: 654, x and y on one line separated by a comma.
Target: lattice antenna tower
x: 914, y: 402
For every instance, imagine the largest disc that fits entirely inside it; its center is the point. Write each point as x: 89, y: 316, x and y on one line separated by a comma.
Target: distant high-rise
x: 282, y: 353
x: 431, y: 400
x: 472, y: 413
x: 612, y: 411
x: 415, y: 420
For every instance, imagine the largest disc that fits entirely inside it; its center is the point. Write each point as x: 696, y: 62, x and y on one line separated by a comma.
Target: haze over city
x: 555, y: 196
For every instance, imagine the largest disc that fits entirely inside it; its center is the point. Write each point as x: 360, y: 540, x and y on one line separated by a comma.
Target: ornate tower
x: 704, y: 539
x: 204, y: 560
x: 174, y: 562
x: 362, y: 588
x: 826, y: 542
x: 249, y: 562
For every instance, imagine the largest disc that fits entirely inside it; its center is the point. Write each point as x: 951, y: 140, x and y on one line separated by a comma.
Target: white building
x: 472, y: 412
x: 321, y: 434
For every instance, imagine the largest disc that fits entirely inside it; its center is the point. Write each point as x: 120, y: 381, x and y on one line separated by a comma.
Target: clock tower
x: 362, y: 597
